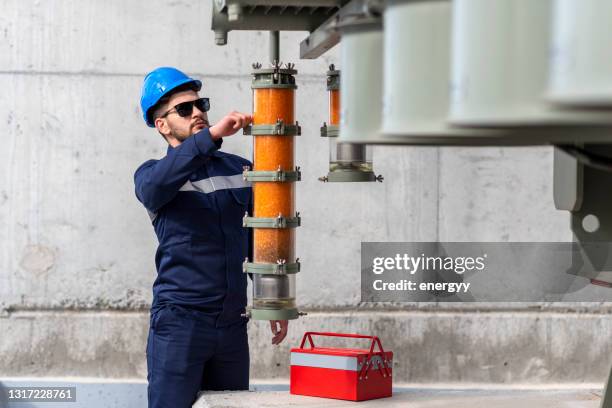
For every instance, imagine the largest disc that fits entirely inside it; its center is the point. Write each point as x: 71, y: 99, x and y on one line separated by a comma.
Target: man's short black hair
x: 156, y: 111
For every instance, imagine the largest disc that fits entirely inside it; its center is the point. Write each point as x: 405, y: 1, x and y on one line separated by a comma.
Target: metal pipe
x: 350, y: 152
x: 274, y: 46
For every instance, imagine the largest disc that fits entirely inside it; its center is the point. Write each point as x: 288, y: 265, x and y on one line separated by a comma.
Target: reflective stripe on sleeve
x: 208, y: 185
x: 152, y: 215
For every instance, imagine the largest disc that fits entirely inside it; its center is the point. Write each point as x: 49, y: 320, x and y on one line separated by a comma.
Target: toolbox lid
x: 339, y: 359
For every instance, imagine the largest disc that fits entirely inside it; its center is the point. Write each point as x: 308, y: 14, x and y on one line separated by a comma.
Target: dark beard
x: 180, y: 138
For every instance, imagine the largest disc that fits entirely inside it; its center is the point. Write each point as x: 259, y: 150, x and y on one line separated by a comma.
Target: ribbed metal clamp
x: 278, y: 175
x: 277, y: 129
x: 277, y: 222
x: 281, y: 267
x: 330, y: 130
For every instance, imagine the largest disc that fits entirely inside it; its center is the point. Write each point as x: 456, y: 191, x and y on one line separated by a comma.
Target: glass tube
x: 272, y: 153
x: 273, y: 291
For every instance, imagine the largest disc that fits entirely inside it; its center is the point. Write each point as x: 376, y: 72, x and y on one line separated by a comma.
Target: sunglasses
x: 185, y: 109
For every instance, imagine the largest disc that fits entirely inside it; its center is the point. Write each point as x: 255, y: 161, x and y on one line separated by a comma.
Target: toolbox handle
x: 368, y: 362
x: 308, y: 335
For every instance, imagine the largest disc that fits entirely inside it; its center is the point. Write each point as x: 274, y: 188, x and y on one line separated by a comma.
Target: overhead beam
x: 326, y: 35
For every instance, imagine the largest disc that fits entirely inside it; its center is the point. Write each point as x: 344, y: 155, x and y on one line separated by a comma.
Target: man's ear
x: 162, y: 127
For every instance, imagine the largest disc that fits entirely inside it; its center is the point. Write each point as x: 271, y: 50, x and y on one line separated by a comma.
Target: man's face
x: 176, y: 128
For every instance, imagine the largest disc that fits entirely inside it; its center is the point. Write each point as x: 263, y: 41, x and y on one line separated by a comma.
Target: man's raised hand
x: 230, y: 124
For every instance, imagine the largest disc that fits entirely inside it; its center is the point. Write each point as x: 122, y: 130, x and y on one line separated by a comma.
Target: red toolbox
x: 348, y: 374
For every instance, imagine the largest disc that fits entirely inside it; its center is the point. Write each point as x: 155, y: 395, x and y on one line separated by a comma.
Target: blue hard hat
x: 159, y: 83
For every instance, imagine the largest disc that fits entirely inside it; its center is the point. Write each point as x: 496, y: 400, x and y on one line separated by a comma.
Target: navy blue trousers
x: 187, y: 353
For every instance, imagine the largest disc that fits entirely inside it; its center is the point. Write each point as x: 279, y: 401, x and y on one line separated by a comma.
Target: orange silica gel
x: 334, y: 107
x: 271, y: 153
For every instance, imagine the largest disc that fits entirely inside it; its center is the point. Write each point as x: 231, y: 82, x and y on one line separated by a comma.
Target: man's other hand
x: 230, y: 124
x: 279, y: 330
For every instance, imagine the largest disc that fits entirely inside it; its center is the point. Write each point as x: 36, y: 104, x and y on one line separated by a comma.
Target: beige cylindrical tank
x: 500, y: 69
x: 581, y: 55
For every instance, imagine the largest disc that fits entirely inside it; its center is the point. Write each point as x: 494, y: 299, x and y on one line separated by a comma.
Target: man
x: 196, y: 198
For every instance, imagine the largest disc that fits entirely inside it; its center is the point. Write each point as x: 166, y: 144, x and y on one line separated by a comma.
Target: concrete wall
x: 76, y: 248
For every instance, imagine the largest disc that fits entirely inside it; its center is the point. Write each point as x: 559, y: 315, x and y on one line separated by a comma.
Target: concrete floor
x: 411, y: 399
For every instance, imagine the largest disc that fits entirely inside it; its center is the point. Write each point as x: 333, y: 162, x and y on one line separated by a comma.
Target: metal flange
x: 276, y: 222
x: 333, y: 78
x: 274, y: 77
x: 330, y: 130
x: 344, y: 176
x: 273, y: 314
x: 279, y: 268
x: 275, y: 176
x: 277, y: 129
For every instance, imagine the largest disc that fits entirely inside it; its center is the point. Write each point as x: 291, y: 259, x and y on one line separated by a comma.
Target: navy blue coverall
x: 196, y: 197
